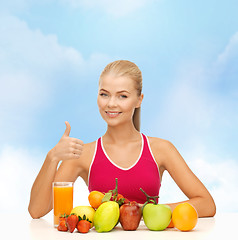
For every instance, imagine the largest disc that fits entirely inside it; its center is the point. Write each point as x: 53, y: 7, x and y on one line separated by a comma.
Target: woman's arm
x: 69, y: 151
x: 41, y: 193
x: 169, y: 158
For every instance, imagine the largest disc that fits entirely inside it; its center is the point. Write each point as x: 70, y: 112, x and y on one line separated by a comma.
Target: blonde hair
x: 125, y: 68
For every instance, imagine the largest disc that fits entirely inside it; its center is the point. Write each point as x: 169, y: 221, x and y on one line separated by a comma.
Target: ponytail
x: 136, y: 118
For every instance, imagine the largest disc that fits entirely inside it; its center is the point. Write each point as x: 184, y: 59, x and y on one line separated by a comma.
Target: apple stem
x: 149, y: 198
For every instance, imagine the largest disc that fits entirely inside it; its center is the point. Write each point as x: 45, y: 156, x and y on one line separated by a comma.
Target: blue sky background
x: 53, y: 51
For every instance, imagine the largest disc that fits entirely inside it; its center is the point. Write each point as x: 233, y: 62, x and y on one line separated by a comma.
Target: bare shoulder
x: 159, y: 144
x: 88, y: 148
x: 161, y: 149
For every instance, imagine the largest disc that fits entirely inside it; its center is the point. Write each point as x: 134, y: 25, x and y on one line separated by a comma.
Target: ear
x: 140, y: 98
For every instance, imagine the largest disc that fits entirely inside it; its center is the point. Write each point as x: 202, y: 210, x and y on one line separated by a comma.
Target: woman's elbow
x: 210, y: 207
x: 213, y: 209
x: 34, y: 214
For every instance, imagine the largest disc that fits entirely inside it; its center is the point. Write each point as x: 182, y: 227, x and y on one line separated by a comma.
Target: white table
x: 26, y: 228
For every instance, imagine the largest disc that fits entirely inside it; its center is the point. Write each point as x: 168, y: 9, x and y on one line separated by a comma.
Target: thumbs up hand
x: 67, y: 148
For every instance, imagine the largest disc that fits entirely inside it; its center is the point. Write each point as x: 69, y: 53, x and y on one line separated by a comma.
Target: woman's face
x: 117, y: 99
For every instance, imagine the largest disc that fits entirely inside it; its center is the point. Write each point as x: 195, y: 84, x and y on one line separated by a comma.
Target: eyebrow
x: 117, y: 92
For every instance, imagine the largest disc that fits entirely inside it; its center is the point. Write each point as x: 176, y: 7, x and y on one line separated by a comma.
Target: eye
x: 103, y: 94
x: 123, y: 96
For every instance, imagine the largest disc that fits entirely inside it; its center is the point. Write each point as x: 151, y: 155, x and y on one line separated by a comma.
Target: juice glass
x: 62, y: 199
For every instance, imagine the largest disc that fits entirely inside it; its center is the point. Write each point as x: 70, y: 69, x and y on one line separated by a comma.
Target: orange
x: 184, y: 217
x: 95, y: 198
x: 171, y: 224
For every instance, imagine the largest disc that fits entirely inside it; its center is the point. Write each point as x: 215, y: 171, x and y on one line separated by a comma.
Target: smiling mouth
x: 112, y: 114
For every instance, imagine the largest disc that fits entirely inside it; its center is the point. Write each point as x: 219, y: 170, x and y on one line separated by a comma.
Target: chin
x: 113, y: 124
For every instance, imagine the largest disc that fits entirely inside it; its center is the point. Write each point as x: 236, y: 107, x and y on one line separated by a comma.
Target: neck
x: 121, y: 134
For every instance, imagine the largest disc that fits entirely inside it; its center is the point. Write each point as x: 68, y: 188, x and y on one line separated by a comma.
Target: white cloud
x: 219, y: 177
x: 114, y: 8
x: 200, y: 113
x: 29, y: 50
x: 21, y: 89
x: 32, y: 66
x: 29, y: 63
x: 187, y: 111
x: 230, y: 52
x: 202, y: 100
x: 225, y: 69
x: 19, y: 168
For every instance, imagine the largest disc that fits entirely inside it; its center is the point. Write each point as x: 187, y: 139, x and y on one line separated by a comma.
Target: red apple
x: 130, y: 216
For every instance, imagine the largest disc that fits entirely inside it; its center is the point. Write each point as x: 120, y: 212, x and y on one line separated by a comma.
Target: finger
x: 68, y: 129
x: 77, y: 151
x: 77, y: 146
x: 77, y: 141
x: 74, y: 155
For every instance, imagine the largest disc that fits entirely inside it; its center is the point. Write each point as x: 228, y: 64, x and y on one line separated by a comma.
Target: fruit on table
x: 83, y: 226
x: 113, y: 195
x: 171, y: 224
x: 120, y: 199
x: 62, y: 224
x: 72, y: 221
x: 119, y: 196
x: 88, y: 211
x: 184, y: 217
x: 130, y: 216
x: 106, y: 216
x: 157, y: 216
x: 95, y: 198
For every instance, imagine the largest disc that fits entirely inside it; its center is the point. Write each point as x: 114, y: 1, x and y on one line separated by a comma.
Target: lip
x: 113, y: 114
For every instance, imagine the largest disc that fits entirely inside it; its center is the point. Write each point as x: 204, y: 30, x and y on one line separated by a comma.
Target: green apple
x: 157, y: 216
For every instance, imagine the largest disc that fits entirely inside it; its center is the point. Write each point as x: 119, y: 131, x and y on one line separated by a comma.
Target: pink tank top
x: 144, y: 173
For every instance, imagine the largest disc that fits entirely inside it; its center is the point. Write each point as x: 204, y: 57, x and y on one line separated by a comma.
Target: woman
x: 123, y: 152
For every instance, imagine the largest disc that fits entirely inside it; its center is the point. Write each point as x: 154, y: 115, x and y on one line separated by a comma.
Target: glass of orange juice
x: 62, y: 199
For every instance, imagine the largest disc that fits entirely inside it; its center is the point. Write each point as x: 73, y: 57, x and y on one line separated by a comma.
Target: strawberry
x: 72, y: 221
x: 63, y: 217
x: 62, y: 225
x: 83, y: 226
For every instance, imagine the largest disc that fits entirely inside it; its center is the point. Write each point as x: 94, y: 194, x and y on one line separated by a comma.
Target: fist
x: 67, y: 148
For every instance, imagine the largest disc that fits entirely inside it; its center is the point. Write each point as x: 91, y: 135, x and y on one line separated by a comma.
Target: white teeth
x: 112, y: 113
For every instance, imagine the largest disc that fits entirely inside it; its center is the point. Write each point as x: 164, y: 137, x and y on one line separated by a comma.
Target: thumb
x: 68, y: 129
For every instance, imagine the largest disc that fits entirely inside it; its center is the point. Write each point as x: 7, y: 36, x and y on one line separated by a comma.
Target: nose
x: 112, y: 102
